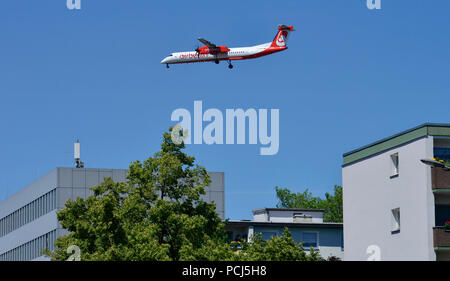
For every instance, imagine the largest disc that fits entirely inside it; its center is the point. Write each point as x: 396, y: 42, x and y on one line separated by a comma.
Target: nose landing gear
x: 230, y: 66
x: 167, y: 65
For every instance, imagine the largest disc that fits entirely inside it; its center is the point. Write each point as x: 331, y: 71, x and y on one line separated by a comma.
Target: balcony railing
x: 441, y: 237
x: 440, y: 179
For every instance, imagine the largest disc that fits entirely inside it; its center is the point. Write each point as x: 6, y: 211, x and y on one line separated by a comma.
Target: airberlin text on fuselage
x: 192, y: 56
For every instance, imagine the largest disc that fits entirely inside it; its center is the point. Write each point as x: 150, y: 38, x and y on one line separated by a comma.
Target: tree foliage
x: 332, y: 204
x: 278, y: 248
x: 158, y: 215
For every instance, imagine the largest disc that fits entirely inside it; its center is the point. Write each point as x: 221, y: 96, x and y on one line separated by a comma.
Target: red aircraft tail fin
x: 282, y: 36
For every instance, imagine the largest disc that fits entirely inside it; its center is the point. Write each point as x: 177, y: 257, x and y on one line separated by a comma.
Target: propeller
x: 197, y: 50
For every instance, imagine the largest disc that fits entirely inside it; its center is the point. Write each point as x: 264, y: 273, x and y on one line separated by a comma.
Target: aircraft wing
x: 207, y: 43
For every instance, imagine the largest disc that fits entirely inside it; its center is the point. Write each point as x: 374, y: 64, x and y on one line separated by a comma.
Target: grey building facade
x: 28, y: 220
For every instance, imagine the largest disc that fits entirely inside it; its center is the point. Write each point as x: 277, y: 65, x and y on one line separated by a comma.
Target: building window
x: 441, y: 214
x: 394, y: 165
x: 310, y: 239
x: 267, y: 235
x: 31, y: 249
x: 28, y: 213
x: 395, y: 219
x: 442, y: 153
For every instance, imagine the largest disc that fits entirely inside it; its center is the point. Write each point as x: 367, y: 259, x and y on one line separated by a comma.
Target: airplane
x: 212, y: 52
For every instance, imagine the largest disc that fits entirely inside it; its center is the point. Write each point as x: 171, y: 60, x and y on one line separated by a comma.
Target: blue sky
x: 351, y: 76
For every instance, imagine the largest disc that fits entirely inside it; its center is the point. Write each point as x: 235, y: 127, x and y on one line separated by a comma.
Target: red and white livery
x: 212, y: 52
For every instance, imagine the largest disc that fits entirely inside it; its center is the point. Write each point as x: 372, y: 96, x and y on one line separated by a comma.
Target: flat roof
x: 287, y: 210
x: 286, y: 224
x: 427, y: 129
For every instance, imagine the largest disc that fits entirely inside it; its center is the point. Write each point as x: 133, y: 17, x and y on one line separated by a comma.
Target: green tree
x: 278, y: 248
x: 332, y: 204
x: 157, y: 214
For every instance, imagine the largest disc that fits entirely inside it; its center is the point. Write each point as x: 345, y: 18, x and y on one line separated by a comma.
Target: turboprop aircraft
x: 212, y: 52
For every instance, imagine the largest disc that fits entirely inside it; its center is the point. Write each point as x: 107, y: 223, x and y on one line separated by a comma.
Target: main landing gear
x: 230, y: 66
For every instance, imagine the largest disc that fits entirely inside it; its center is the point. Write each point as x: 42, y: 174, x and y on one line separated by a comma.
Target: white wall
x: 370, y: 194
x: 281, y: 216
x: 285, y: 216
x: 260, y: 217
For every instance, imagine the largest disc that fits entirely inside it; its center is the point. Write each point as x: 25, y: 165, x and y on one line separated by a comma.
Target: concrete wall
x: 74, y: 183
x: 215, y: 192
x: 370, y: 193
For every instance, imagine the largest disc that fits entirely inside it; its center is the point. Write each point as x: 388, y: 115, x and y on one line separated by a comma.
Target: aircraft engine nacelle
x: 212, y: 51
x: 223, y: 49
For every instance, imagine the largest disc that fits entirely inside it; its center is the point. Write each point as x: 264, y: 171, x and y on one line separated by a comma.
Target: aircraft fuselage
x: 234, y: 54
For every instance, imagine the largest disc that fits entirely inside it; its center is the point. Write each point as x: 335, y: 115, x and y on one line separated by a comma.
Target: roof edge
x: 288, y: 209
x: 390, y: 138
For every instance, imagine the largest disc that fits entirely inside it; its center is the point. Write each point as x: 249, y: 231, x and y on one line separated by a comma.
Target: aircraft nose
x: 165, y: 60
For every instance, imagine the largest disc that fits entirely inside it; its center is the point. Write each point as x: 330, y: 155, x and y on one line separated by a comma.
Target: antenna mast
x: 76, y: 155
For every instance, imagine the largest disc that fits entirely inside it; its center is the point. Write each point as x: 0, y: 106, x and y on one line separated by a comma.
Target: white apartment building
x: 395, y: 206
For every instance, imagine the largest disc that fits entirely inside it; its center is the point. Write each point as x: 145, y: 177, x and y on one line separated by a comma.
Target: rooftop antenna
x: 76, y: 155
